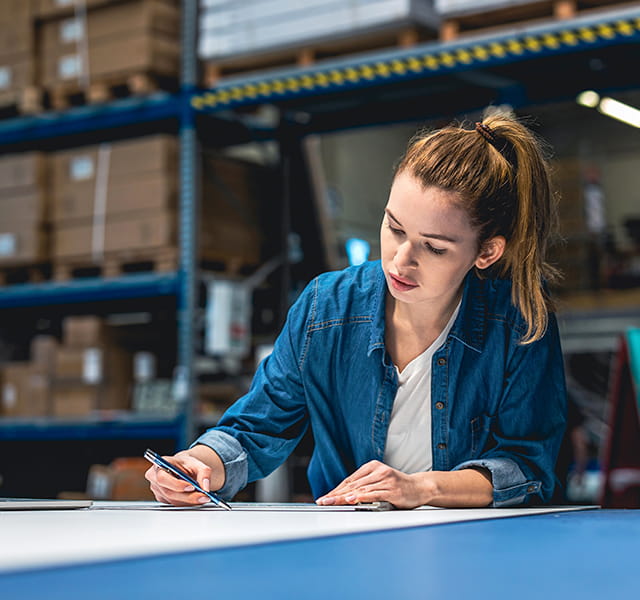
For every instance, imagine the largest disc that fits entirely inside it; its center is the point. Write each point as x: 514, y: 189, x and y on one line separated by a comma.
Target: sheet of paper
x: 111, y: 530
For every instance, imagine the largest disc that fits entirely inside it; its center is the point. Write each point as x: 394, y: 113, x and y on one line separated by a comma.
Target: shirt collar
x: 468, y: 328
x: 379, y: 296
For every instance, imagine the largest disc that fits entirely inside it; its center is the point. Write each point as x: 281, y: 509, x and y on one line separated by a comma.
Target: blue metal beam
x: 89, y: 290
x: 423, y: 61
x: 94, y: 117
x: 103, y: 428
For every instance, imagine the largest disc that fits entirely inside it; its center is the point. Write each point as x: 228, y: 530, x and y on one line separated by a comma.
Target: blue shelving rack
x: 100, y: 119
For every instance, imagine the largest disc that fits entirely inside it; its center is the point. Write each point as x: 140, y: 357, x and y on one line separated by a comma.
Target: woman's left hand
x: 376, y: 482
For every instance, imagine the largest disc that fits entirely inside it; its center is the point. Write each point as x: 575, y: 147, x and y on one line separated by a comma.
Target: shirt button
x: 439, y: 405
x: 442, y: 361
x: 531, y: 489
x: 441, y: 446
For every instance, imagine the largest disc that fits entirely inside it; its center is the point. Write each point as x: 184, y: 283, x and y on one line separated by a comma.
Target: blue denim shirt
x: 495, y: 403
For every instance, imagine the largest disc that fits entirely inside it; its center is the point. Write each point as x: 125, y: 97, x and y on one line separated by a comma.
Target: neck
x: 423, y: 316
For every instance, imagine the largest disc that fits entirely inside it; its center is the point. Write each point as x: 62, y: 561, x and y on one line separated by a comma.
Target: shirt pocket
x: 480, y: 428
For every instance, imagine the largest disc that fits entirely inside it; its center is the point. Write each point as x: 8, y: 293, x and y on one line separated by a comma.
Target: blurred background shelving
x: 252, y: 143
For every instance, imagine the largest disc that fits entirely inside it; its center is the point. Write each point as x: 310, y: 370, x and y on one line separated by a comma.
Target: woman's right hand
x: 202, y: 463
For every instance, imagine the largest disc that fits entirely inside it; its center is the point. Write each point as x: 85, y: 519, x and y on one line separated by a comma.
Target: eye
x: 395, y: 230
x: 438, y: 251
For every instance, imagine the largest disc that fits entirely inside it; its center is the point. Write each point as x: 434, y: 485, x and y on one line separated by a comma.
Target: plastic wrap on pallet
x: 227, y: 29
x: 459, y: 7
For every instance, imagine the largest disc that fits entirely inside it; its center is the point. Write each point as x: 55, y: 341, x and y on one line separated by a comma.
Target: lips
x: 401, y: 284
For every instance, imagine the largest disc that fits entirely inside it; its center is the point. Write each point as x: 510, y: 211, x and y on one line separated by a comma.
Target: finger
x: 178, y: 499
x: 359, y: 479
x: 171, y: 483
x: 198, y: 470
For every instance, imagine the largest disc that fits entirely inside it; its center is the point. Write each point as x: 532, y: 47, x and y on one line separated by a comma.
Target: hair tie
x: 487, y: 133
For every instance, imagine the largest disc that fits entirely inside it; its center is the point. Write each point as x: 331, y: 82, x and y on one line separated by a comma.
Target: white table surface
x: 108, y: 530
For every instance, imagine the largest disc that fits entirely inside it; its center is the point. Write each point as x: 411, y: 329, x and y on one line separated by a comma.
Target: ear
x: 491, y: 251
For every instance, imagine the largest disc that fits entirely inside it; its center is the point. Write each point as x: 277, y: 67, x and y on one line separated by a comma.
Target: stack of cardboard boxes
x: 87, y: 372
x: 26, y: 385
x: 108, y: 38
x: 91, y: 371
x: 17, y: 64
x: 118, y: 197
x: 23, y: 209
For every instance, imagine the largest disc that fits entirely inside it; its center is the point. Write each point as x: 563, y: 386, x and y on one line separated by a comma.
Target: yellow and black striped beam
x: 423, y: 61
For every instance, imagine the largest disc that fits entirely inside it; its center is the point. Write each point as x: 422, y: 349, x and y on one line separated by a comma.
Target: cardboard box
x: 56, y: 8
x: 28, y: 170
x: 16, y: 36
x: 135, y: 232
x: 96, y: 365
x: 43, y: 354
x: 155, y: 190
x: 23, y: 205
x: 85, y: 331
x: 25, y: 392
x: 74, y: 401
x: 128, y: 54
x: 79, y: 400
x: 19, y: 245
x: 18, y: 10
x: 123, y: 159
x: 231, y: 196
x: 14, y: 376
x: 16, y: 74
x: 62, y: 36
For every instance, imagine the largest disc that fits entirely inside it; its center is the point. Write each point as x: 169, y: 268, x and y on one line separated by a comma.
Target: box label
x: 70, y: 66
x: 81, y: 168
x: 9, y: 396
x: 71, y: 30
x: 5, y: 78
x: 8, y: 244
x: 92, y: 365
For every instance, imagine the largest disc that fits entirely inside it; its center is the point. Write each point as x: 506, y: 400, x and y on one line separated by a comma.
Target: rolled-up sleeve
x: 510, y: 486
x: 233, y: 457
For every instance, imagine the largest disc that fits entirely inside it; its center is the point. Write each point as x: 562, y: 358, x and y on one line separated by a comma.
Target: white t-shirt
x: 408, y: 446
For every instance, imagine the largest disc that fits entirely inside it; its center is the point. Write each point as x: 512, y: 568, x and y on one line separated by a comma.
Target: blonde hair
x: 501, y: 176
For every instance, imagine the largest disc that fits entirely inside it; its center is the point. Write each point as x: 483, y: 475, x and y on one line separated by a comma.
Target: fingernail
x: 203, y: 500
x: 205, y: 485
x: 327, y: 501
x: 350, y: 498
x: 188, y: 488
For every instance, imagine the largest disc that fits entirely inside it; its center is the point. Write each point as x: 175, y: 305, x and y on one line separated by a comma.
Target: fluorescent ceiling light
x: 588, y: 98
x: 618, y: 110
x: 610, y: 107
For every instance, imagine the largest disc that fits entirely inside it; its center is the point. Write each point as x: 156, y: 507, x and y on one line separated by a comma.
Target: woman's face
x: 427, y: 243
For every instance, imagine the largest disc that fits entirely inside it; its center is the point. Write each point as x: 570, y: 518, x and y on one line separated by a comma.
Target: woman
x: 433, y: 376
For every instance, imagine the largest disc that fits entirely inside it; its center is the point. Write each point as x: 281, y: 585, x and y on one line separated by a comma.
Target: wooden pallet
x: 11, y: 274
x: 114, y: 264
x: 456, y: 26
x: 305, y: 55
x: 105, y: 89
x: 27, y: 101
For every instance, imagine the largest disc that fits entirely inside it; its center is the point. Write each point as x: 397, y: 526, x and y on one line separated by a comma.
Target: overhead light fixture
x: 588, y: 98
x: 618, y: 110
x: 610, y: 107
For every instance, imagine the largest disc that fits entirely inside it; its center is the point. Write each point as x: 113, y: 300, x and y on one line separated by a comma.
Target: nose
x: 405, y: 255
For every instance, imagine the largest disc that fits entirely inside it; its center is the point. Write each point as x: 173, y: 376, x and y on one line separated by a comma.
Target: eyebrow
x: 435, y: 236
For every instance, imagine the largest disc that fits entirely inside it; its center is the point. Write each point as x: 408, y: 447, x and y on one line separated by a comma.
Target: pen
x: 165, y: 465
